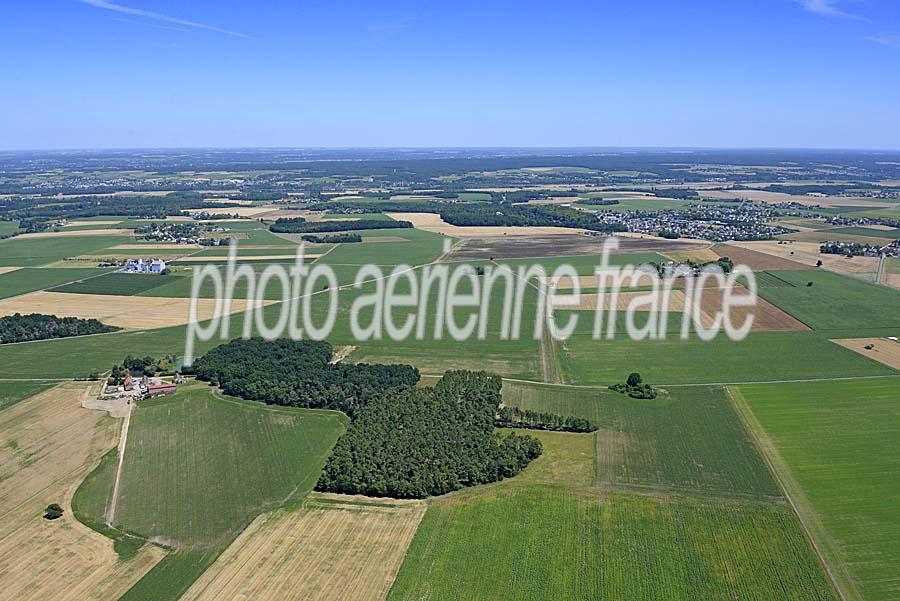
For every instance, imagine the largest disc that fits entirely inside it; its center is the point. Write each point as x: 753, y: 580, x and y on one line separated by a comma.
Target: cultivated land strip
x: 796, y: 498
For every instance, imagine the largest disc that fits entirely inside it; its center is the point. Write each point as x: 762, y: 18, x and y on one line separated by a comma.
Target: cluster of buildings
x: 717, y: 223
x: 143, y: 388
x: 855, y: 249
x: 144, y: 266
x: 181, y: 233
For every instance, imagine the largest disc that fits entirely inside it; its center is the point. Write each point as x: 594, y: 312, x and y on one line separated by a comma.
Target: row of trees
x: 332, y: 238
x: 514, y: 417
x: 39, y: 326
x: 416, y: 442
x: 298, y: 225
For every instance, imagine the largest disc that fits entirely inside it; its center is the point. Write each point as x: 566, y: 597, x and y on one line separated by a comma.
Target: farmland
x: 833, y: 446
x: 180, y: 448
x: 11, y: 392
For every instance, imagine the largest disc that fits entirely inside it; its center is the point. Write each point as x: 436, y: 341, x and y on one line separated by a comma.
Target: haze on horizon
x: 163, y: 74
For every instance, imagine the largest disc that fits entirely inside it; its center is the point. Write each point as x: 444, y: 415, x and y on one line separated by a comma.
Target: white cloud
x: 139, y: 12
x: 829, y: 8
x: 886, y: 39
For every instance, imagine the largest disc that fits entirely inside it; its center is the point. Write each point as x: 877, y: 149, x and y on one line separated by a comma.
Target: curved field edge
x: 198, y: 469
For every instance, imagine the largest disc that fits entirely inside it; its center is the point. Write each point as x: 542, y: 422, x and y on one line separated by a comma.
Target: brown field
x: 48, y: 444
x: 8, y: 269
x: 756, y: 260
x: 130, y: 312
x: 700, y: 255
x: 336, y: 548
x: 432, y: 222
x: 807, y: 253
x: 885, y: 351
x: 552, y: 245
x: 767, y: 317
x: 68, y: 233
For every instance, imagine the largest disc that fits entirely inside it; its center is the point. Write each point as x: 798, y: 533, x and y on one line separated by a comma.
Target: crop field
x: 48, y: 444
x: 549, y: 543
x: 25, y: 252
x: 756, y: 260
x: 688, y: 439
x: 134, y: 312
x: 835, y: 302
x: 543, y: 245
x: 833, y: 446
x: 880, y: 349
x: 359, y: 544
x: 808, y: 255
x: 119, y: 284
x: 195, y: 448
x: 11, y: 392
x: 763, y: 356
x: 23, y: 281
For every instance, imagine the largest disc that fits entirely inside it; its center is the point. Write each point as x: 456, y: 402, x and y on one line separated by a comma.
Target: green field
x: 27, y: 252
x: 30, y: 279
x: 836, y: 302
x: 513, y: 543
x: 122, y: 284
x: 687, y: 439
x: 760, y: 357
x: 834, y: 446
x: 199, y: 467
x: 12, y: 392
x: 868, y: 232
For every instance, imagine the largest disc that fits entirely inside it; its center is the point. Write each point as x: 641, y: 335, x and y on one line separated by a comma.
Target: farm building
x: 160, y: 389
x: 144, y: 266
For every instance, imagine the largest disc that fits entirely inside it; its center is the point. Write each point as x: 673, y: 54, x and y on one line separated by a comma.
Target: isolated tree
x: 634, y: 379
x: 53, y: 512
x: 819, y: 263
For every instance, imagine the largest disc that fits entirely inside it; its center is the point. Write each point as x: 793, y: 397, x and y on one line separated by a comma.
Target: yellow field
x: 808, y: 253
x: 152, y: 246
x: 777, y: 197
x: 8, y: 269
x: 336, y: 548
x: 240, y: 211
x: 432, y: 222
x: 701, y: 255
x: 65, y: 233
x: 590, y: 302
x: 48, y: 444
x: 884, y: 351
x: 131, y: 312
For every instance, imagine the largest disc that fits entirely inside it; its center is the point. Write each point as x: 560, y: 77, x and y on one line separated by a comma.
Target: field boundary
x: 792, y: 491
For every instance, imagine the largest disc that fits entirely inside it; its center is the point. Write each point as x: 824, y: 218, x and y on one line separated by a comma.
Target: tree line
x: 39, y: 326
x: 514, y: 417
x: 299, y: 225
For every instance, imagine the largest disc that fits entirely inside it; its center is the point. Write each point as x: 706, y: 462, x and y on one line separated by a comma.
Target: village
x: 145, y: 387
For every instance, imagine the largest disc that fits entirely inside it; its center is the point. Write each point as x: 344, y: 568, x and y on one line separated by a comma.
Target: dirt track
x: 48, y: 444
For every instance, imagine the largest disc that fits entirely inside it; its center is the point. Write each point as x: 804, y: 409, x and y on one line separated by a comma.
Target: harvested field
x: 74, y: 233
x: 700, y: 255
x: 131, y: 312
x: 810, y: 201
x: 883, y: 350
x: 8, y: 269
x: 756, y: 260
x: 590, y: 302
x: 48, y: 444
x: 432, y: 222
x: 767, y: 317
x: 239, y: 211
x: 541, y: 245
x: 337, y: 547
x: 807, y: 253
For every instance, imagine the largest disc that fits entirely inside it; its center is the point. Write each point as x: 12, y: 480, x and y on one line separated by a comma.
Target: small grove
x: 39, y: 326
x: 403, y: 441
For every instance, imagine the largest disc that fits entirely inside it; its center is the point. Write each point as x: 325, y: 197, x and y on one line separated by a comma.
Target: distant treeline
x: 38, y: 326
x: 484, y: 214
x: 156, y: 207
x: 603, y: 202
x: 513, y: 417
x: 801, y: 189
x: 332, y: 238
x: 298, y: 225
x: 418, y: 442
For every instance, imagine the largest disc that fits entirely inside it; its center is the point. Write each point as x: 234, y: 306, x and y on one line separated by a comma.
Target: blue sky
x: 161, y: 73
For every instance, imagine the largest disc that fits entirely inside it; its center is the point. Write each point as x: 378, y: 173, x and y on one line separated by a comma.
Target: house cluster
x: 718, y: 223
x: 143, y: 387
x: 855, y: 249
x: 144, y: 266
x: 181, y: 233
